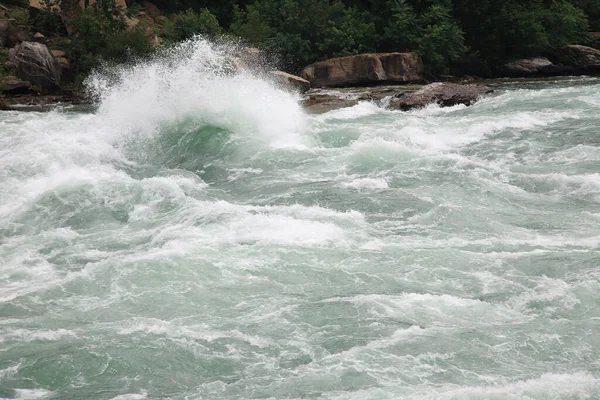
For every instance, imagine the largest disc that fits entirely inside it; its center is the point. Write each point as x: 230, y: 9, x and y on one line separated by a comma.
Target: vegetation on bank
x: 452, y: 36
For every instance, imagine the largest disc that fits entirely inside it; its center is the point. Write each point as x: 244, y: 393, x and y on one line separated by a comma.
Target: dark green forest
x: 452, y: 36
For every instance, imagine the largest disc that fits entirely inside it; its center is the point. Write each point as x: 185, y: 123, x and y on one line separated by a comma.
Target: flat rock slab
x: 445, y: 94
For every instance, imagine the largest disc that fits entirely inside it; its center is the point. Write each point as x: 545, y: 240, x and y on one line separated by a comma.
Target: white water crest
x: 198, y: 235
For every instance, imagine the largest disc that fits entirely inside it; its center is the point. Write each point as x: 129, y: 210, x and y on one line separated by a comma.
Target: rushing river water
x: 202, y: 237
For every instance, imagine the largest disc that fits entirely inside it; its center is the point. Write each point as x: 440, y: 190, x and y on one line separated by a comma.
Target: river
x: 200, y: 236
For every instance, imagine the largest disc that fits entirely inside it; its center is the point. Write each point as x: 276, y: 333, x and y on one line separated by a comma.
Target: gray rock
x: 365, y: 69
x: 445, y: 94
x: 536, y: 66
x: 580, y: 59
x: 36, y: 64
x: 290, y: 81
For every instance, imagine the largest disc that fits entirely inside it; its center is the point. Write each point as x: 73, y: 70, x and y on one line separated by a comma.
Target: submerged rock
x: 290, y: 81
x: 365, y: 69
x: 36, y: 64
x: 445, y: 94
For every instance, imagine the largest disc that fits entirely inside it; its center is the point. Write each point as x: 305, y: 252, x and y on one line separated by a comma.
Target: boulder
x: 537, y: 66
x: 40, y: 38
x: 12, y: 86
x: 445, y: 94
x: 290, y: 81
x: 580, y: 59
x: 365, y: 69
x: 36, y: 64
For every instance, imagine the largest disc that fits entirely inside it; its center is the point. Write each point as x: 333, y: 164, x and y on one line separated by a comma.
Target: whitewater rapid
x: 198, y: 235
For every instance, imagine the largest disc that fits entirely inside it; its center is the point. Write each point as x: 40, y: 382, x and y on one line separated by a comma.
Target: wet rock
x: 579, y: 59
x: 290, y: 81
x: 445, y: 94
x: 537, y: 66
x: 322, y: 103
x: 36, y: 64
x: 365, y: 69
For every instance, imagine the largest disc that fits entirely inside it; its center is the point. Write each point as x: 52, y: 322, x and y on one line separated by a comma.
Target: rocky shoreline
x: 395, y: 81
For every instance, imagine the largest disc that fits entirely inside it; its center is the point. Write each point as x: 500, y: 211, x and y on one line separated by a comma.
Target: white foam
x: 366, y: 184
x: 360, y: 110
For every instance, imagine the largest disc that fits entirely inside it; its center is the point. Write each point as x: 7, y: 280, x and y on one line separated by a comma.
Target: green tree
x: 191, y: 23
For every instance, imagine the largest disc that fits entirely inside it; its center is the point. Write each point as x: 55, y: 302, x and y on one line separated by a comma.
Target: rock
x: 290, y: 81
x: 37, y: 4
x: 580, y: 59
x: 4, y: 106
x: 9, y: 65
x: 37, y: 65
x: 40, y: 38
x: 537, y: 66
x: 12, y: 86
x: 64, y: 62
x: 365, y: 69
x: 58, y: 53
x: 445, y: 94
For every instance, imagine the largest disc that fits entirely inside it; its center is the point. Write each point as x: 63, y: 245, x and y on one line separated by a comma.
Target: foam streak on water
x: 199, y: 236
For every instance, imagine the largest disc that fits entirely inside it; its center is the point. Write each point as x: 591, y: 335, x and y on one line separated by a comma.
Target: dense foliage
x: 467, y: 36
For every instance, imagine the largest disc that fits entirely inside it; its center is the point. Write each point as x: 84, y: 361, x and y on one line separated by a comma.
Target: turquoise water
x: 202, y: 237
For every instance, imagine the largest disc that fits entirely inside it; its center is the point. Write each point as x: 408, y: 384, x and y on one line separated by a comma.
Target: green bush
x: 191, y: 23
x: 4, y: 71
x: 122, y: 46
x: 305, y: 31
x: 20, y: 15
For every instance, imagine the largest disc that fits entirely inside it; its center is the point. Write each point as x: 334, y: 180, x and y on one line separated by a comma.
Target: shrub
x: 191, y: 23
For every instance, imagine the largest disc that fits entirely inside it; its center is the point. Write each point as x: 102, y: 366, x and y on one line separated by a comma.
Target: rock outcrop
x: 445, y: 94
x: 365, y: 69
x: 11, y: 86
x: 529, y: 67
x: 36, y: 64
x: 579, y: 59
x: 290, y: 81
